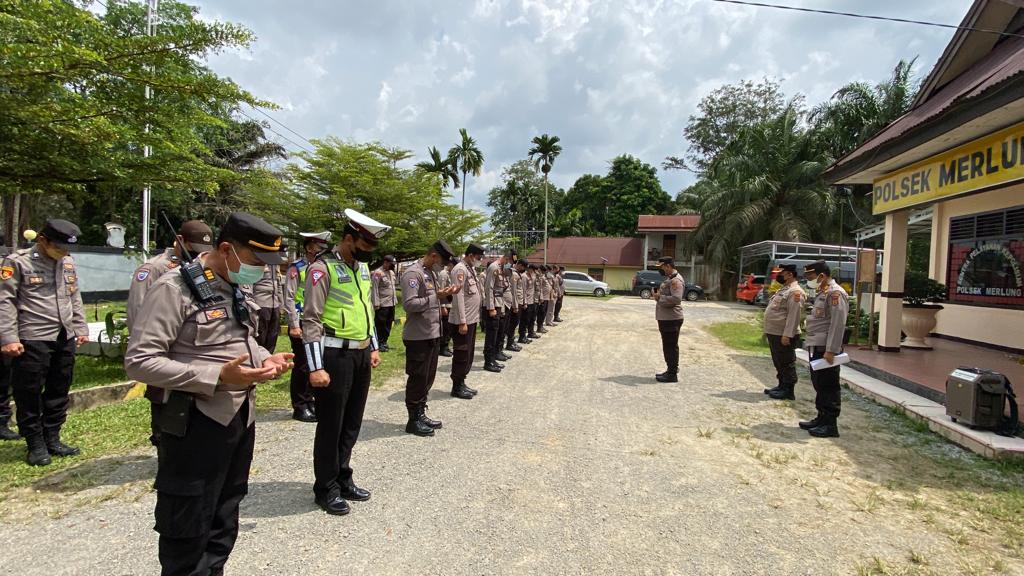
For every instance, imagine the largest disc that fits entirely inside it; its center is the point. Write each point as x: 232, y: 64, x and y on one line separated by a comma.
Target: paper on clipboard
x: 839, y: 360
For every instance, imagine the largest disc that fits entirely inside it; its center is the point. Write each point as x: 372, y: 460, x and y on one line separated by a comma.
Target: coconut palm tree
x: 443, y: 168
x: 467, y: 158
x: 545, y: 150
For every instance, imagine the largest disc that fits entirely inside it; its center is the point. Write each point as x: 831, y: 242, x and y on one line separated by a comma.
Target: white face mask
x: 815, y: 283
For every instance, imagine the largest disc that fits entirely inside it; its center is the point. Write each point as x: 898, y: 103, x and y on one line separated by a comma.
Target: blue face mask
x: 247, y: 274
x: 508, y: 266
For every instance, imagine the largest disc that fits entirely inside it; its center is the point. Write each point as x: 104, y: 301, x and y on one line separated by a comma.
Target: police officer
x: 560, y: 274
x: 444, y: 281
x: 782, y: 330
x: 195, y: 341
x: 493, y: 302
x: 826, y: 327
x: 268, y: 294
x: 42, y: 320
x: 5, y: 400
x: 535, y: 304
x: 525, y: 297
x: 464, y: 316
x: 342, y: 349
x: 544, y: 298
x: 313, y: 243
x: 384, y: 300
x: 514, y: 300
x: 669, y: 314
x: 422, y: 333
x: 195, y: 237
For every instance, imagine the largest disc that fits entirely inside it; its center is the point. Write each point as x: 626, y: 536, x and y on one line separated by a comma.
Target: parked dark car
x: 646, y: 281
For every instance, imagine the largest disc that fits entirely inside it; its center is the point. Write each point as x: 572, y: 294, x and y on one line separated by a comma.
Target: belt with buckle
x: 343, y: 344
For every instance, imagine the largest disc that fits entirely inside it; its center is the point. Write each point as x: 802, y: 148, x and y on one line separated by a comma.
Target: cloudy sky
x: 607, y: 76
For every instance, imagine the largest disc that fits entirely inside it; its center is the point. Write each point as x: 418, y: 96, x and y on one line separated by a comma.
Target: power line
x: 242, y: 112
x: 868, y: 17
x: 283, y: 125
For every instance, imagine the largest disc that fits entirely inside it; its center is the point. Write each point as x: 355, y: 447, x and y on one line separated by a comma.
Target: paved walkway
x: 573, y: 461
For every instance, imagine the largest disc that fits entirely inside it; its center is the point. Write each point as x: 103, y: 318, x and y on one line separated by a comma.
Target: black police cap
x: 819, y: 267
x: 255, y: 234
x: 524, y: 262
x: 667, y: 260
x: 443, y: 249
x: 390, y: 258
x: 61, y: 232
x: 474, y: 248
x: 788, y: 268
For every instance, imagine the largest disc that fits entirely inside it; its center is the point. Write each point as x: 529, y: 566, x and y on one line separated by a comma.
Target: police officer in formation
x: 421, y: 296
x: 194, y: 339
x: 464, y: 316
x: 385, y: 280
x: 341, y: 345
x: 42, y: 322
x: 553, y: 291
x: 543, y: 298
x: 313, y: 244
x: 268, y: 293
x: 782, y: 330
x: 531, y: 297
x: 669, y: 314
x: 193, y: 238
x: 826, y: 328
x: 560, y: 276
x: 444, y: 280
x: 514, y: 302
x: 493, y: 306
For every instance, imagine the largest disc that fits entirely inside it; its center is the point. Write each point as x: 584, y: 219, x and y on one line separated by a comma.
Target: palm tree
x: 443, y: 168
x: 467, y: 158
x: 766, y: 184
x: 545, y: 150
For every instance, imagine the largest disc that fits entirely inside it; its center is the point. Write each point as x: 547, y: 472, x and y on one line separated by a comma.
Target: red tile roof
x: 670, y: 223
x: 589, y: 251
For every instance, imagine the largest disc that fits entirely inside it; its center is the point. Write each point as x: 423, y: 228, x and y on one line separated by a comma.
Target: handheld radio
x: 196, y: 277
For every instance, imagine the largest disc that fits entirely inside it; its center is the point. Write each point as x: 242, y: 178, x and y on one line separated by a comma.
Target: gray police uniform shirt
x: 267, y: 291
x: 38, y: 297
x: 518, y: 293
x: 560, y: 283
x: 508, y: 294
x: 782, y: 317
x: 465, y: 304
x: 180, y: 344
x: 529, y: 289
x: 827, y: 322
x: 291, y: 288
x: 545, y: 288
x: 419, y: 299
x: 143, y: 279
x: 493, y: 287
x: 670, y: 298
x: 383, y: 295
x: 444, y: 280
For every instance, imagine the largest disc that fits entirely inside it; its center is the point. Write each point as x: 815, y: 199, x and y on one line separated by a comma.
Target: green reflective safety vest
x: 300, y: 289
x: 348, y: 311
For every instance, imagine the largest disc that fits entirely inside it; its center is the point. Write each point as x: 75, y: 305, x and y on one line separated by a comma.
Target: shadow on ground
x: 107, y: 471
x: 278, y: 499
x: 633, y: 380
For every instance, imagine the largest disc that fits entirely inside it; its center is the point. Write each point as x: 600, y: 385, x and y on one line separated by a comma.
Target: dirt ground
x: 575, y: 461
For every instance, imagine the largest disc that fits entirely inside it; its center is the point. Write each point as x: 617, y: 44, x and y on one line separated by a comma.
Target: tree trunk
x: 463, y: 189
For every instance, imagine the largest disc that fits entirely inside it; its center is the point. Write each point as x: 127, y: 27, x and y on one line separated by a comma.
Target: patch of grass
x: 743, y: 336
x: 93, y: 371
x: 102, y: 431
x: 97, y: 311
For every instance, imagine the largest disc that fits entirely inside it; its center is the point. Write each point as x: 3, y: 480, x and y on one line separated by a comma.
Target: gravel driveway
x: 573, y: 461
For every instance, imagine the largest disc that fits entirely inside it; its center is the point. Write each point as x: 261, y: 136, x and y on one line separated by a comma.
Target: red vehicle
x: 747, y: 291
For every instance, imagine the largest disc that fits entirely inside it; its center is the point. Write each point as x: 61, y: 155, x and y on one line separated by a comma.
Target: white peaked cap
x: 368, y: 227
x: 324, y: 236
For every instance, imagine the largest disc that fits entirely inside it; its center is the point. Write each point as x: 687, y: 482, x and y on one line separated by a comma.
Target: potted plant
x: 920, y: 297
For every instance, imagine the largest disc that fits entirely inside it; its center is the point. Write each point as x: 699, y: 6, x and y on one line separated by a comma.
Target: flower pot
x: 918, y: 323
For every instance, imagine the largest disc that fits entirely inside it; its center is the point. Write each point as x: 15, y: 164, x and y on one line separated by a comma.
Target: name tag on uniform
x: 216, y: 314
x: 365, y: 273
x: 34, y: 280
x: 819, y: 312
x: 343, y: 274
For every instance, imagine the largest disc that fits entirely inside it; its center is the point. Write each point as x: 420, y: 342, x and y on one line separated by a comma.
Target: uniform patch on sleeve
x: 317, y: 276
x: 835, y: 298
x: 69, y: 266
x: 142, y: 275
x: 6, y: 273
x: 462, y: 277
x: 293, y: 272
x: 797, y: 296
x: 677, y: 283
x: 216, y: 314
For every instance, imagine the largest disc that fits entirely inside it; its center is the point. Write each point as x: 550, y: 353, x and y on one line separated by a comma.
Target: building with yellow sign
x: 957, y: 155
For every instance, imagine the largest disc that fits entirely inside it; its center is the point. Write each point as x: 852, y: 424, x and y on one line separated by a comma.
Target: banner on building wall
x: 989, y: 161
x: 987, y: 272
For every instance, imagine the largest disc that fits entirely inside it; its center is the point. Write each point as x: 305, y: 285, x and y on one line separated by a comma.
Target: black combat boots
x: 417, y: 426
x: 57, y: 448
x: 37, y: 453
x: 667, y: 376
x: 435, y: 424
x: 459, y: 390
x: 782, y: 393
x: 825, y: 430
x: 6, y: 433
x: 808, y: 424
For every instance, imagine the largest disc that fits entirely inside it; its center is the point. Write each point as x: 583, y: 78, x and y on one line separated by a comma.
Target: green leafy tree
x: 72, y: 110
x: 339, y: 175
x: 543, y: 154
x: 765, y: 185
x: 587, y: 204
x: 517, y: 204
x: 721, y: 115
x: 467, y: 158
x: 631, y: 188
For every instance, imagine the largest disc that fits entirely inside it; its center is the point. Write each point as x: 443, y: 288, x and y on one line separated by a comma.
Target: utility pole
x: 546, y: 168
x: 151, y: 17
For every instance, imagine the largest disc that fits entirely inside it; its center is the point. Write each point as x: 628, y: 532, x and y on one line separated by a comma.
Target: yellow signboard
x: 989, y: 161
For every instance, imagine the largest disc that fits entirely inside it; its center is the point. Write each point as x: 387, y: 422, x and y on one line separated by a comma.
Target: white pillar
x: 646, y: 237
x: 893, y: 269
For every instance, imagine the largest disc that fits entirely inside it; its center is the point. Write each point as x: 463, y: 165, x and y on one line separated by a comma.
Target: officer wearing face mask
x: 493, y: 303
x: 341, y: 349
x: 195, y: 341
x: 464, y: 316
x: 421, y: 334
x: 313, y: 244
x: 782, y: 330
x: 384, y: 300
x: 826, y: 327
x: 42, y: 321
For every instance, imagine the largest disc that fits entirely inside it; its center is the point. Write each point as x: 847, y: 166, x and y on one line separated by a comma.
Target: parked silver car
x: 580, y: 283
